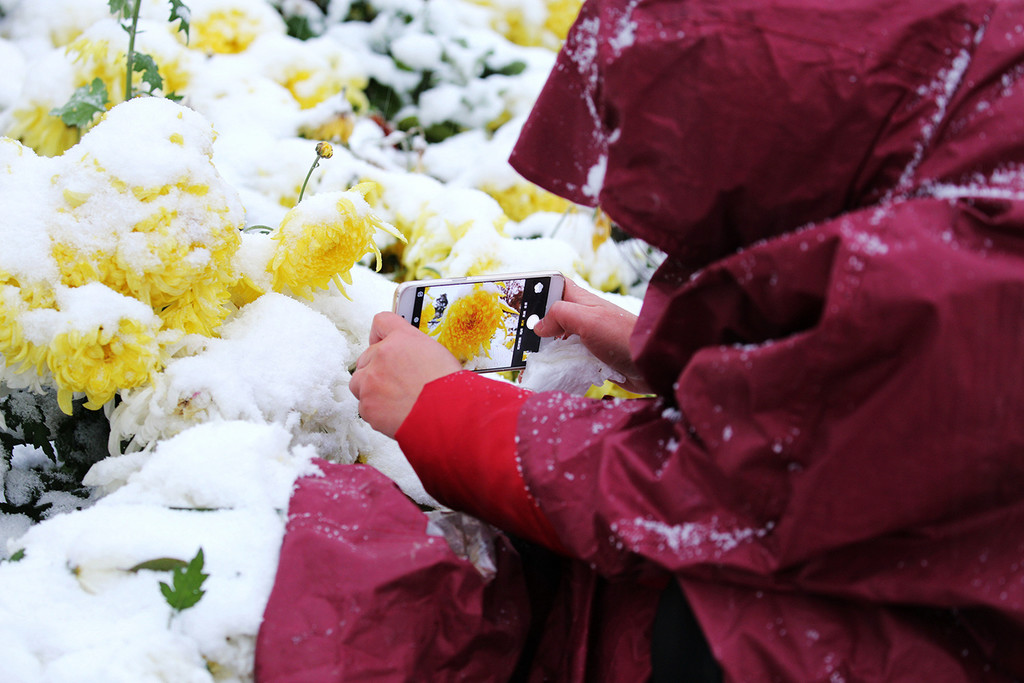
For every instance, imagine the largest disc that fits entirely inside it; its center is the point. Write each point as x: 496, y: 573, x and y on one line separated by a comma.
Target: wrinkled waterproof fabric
x: 832, y: 466
x: 366, y: 592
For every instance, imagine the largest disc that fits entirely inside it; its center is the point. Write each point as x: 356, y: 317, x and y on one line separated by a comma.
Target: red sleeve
x: 460, y: 437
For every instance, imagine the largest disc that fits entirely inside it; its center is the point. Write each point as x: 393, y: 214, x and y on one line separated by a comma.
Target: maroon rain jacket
x: 833, y: 465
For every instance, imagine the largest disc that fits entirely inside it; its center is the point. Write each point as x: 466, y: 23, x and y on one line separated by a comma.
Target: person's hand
x: 390, y: 374
x: 603, y: 327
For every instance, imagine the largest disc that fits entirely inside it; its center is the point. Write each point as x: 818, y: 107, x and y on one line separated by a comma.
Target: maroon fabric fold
x: 364, y: 593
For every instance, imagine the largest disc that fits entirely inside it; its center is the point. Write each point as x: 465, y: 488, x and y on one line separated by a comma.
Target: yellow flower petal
x: 323, y: 237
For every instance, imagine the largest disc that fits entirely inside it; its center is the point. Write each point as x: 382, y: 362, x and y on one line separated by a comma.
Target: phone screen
x: 486, y: 325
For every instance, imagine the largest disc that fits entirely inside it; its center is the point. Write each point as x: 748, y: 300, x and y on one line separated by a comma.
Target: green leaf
x: 146, y: 65
x: 17, y: 556
x: 299, y: 27
x: 361, y: 10
x: 38, y: 435
x: 181, y: 14
x: 383, y: 98
x: 84, y: 104
x: 187, y: 584
x: 436, y: 132
x: 262, y: 229
x: 160, y: 564
x: 121, y: 8
x: 511, y: 69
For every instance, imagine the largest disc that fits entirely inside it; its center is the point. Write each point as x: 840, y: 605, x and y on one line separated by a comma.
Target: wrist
x: 460, y: 439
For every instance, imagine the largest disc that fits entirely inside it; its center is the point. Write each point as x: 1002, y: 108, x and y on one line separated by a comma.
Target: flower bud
x: 324, y: 150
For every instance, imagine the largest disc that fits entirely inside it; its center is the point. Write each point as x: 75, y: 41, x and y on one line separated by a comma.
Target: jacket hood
x: 703, y: 126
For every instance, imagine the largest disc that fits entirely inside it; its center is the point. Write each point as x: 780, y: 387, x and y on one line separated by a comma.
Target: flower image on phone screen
x: 486, y: 325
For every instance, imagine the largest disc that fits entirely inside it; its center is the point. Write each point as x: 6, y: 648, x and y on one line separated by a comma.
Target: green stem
x: 311, y: 168
x: 131, y: 50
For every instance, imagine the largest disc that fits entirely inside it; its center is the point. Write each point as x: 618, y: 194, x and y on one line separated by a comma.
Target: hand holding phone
x: 485, y: 322
x: 390, y: 374
x: 603, y: 327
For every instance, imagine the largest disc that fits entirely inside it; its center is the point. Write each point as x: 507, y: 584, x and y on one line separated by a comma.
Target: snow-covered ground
x: 158, y: 270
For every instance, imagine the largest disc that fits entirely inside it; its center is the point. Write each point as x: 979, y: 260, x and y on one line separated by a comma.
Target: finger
x: 355, y: 385
x: 385, y: 323
x: 563, y: 319
x: 550, y: 325
x: 574, y: 293
x: 364, y: 358
x: 571, y: 291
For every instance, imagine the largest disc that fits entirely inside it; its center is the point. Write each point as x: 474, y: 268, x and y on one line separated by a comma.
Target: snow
x: 688, y: 540
x: 205, y: 450
x: 566, y: 365
x: 82, y: 614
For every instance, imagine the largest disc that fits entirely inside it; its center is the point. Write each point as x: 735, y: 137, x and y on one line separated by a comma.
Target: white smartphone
x: 486, y: 322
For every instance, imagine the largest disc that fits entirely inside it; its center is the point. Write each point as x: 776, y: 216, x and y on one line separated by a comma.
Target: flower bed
x: 182, y: 295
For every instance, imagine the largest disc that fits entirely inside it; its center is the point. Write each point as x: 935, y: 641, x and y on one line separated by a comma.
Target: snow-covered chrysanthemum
x: 313, y: 71
x: 443, y: 221
x: 230, y: 26
x: 114, y: 251
x: 522, y: 199
x: 533, y: 23
x: 99, y: 52
x: 98, y: 352
x: 320, y: 240
x: 161, y: 226
x: 17, y: 353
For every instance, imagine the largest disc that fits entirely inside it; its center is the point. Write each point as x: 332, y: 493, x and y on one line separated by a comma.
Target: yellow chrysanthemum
x: 100, y: 361
x: 203, y: 306
x: 520, y: 200
x: 520, y: 30
x: 323, y: 237
x: 98, y: 53
x: 130, y: 257
x: 561, y: 15
x: 541, y: 24
x: 245, y: 291
x: 36, y: 128
x: 485, y: 263
x: 470, y: 322
x: 226, y: 31
x: 17, y: 351
x: 311, y: 85
x: 186, y: 283
x: 433, y: 236
x: 165, y: 236
x: 431, y: 239
x: 96, y: 56
x: 338, y: 127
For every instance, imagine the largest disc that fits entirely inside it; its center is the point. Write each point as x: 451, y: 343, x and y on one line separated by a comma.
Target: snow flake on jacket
x: 840, y: 189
